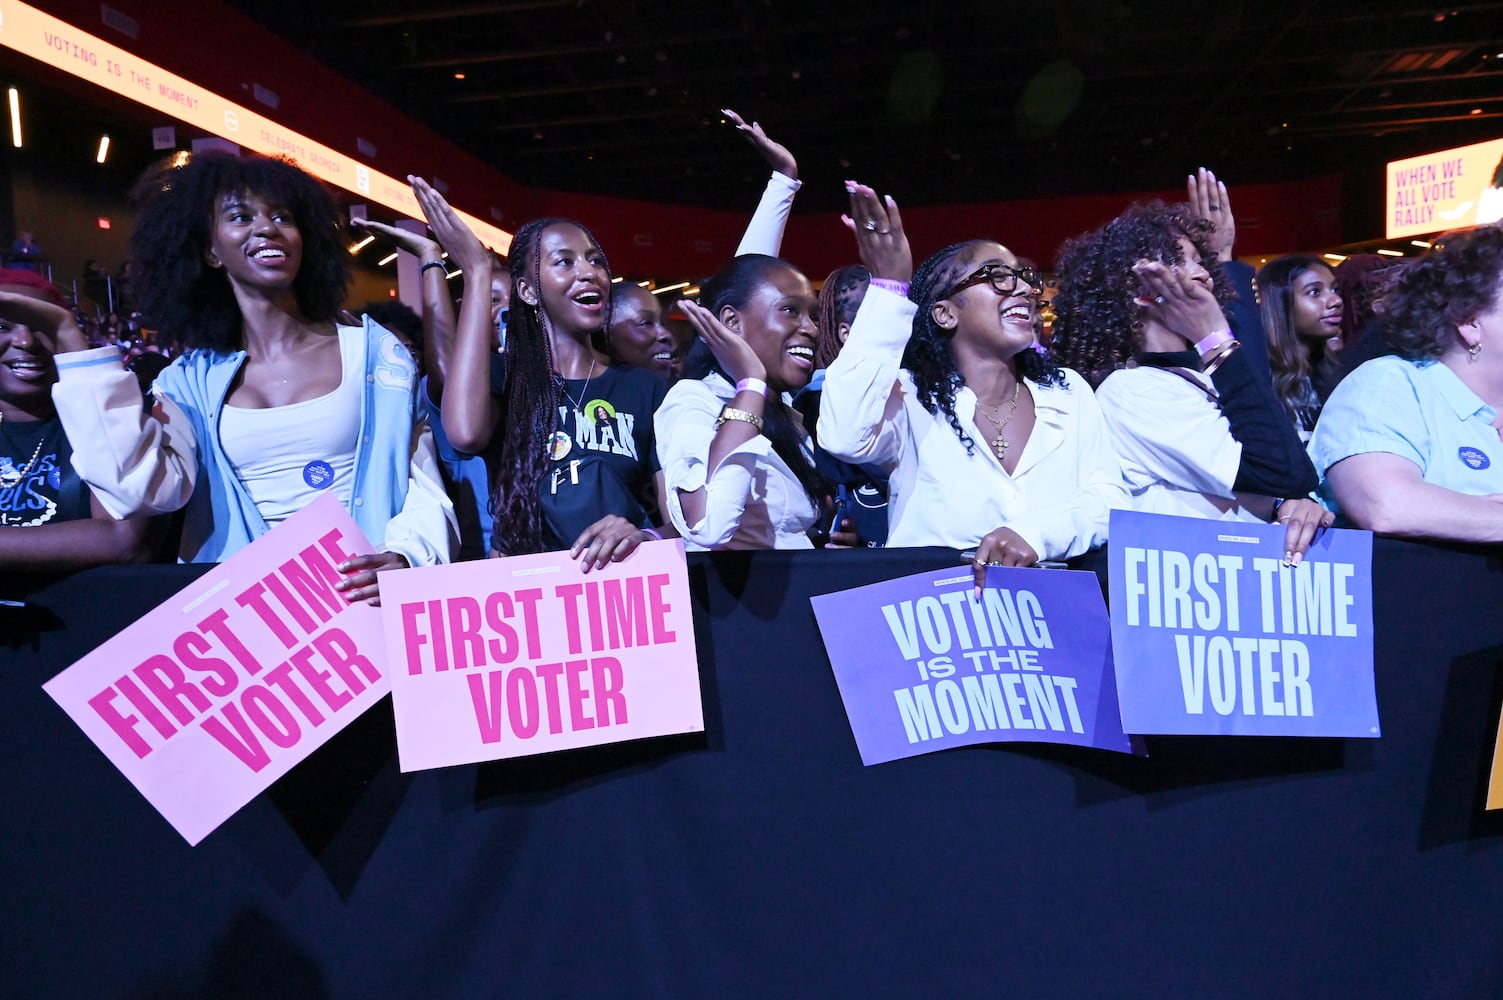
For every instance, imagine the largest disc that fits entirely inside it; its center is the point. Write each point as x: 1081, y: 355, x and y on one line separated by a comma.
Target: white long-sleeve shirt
x: 1058, y: 498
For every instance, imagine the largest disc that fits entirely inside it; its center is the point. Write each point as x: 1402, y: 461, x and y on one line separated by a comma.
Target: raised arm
x: 709, y: 461
x: 764, y: 233
x: 469, y: 410
x: 861, y: 416
x: 438, y: 308
x: 133, y: 461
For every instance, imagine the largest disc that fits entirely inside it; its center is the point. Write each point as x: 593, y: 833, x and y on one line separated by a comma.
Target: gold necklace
x: 999, y: 443
x: 9, y: 479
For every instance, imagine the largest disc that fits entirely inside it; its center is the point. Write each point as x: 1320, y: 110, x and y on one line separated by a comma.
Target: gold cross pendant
x: 1000, y: 445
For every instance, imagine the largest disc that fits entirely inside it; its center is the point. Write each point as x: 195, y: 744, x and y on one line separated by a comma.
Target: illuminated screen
x: 1451, y: 189
x: 65, y: 47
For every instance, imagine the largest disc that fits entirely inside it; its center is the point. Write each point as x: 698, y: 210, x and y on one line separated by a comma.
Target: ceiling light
x: 670, y: 288
x: 387, y: 259
x: 357, y: 247
x: 104, y: 149
x: 15, y: 117
x: 1391, y: 253
x: 1334, y: 256
x: 454, y: 274
x: 459, y: 76
x: 1422, y: 244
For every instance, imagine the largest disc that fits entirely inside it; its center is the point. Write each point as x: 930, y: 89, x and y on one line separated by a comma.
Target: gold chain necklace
x: 9, y: 479
x: 999, y: 443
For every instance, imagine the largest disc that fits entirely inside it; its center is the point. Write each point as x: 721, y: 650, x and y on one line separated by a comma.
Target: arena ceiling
x: 936, y: 102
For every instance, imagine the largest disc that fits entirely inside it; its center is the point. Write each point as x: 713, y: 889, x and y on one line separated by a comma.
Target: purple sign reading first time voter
x: 923, y: 666
x: 1213, y: 635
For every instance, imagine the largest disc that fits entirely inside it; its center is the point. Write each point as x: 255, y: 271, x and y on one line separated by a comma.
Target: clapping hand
x: 1209, y: 201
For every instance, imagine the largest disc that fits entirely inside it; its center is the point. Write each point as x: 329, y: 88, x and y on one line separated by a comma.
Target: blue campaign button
x: 318, y: 474
x: 1473, y: 458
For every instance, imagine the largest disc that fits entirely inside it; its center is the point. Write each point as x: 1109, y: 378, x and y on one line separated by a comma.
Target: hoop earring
x: 1473, y: 351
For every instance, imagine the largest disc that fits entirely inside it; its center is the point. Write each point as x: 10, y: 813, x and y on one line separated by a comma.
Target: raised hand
x: 734, y: 353
x: 452, y: 231
x: 775, y: 154
x: 1178, y: 301
x: 878, y: 228
x: 1209, y: 201
x: 53, y: 322
x: 414, y: 243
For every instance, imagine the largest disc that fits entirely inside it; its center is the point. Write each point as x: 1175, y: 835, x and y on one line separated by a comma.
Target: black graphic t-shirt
x: 37, y: 483
x: 603, y: 453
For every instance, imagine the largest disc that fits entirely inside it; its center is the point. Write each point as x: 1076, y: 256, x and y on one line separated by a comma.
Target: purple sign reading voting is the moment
x: 1214, y: 635
x: 923, y: 666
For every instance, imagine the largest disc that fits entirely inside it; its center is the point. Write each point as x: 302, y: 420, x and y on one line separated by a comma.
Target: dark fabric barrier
x: 761, y: 858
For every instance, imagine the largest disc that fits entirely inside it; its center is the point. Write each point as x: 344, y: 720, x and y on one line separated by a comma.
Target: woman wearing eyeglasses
x: 989, y: 444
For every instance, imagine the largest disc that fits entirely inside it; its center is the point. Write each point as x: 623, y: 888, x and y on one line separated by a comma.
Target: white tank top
x: 288, y: 455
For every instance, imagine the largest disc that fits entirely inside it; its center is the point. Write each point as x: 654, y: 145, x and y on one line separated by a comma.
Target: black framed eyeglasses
x: 1003, y: 279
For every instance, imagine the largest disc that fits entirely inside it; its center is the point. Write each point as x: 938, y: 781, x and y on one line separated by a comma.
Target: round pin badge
x: 318, y: 474
x: 559, y: 445
x: 1473, y: 458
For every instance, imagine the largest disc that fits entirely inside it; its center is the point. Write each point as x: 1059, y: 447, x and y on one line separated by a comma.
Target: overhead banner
x: 66, y: 47
x: 922, y: 665
x: 502, y: 658
x: 1451, y: 189
x: 234, y: 680
x: 1213, y: 635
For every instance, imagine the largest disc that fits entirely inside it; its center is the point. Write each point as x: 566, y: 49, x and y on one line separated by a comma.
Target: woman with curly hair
x: 1302, y: 317
x: 988, y: 443
x: 241, y: 264
x: 1198, y: 429
x: 1408, y: 444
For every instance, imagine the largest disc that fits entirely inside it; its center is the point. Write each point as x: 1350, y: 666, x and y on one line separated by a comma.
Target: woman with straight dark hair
x: 738, y: 461
x: 1302, y: 317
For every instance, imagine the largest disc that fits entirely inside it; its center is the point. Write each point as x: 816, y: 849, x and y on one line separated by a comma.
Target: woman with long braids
x: 242, y: 263
x: 738, y: 461
x: 562, y: 478
x: 989, y: 443
x: 860, y: 497
x: 1198, y: 429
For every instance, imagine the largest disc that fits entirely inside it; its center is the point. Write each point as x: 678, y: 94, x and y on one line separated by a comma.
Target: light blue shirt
x: 1418, y: 410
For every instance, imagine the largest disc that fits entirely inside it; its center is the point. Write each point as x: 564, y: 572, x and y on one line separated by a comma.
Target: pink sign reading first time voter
x: 526, y: 655
x: 229, y: 684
